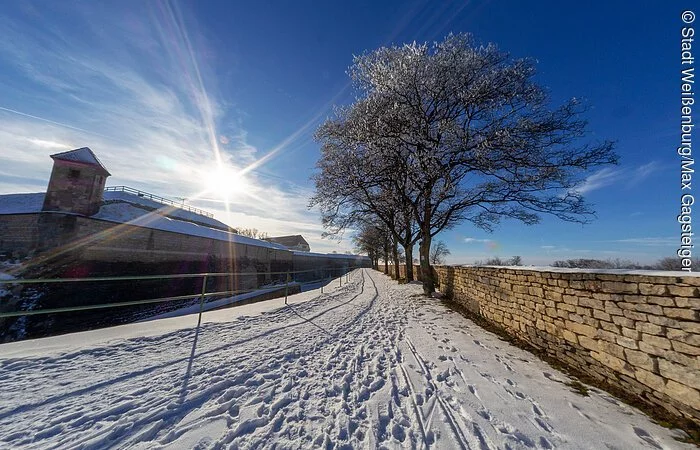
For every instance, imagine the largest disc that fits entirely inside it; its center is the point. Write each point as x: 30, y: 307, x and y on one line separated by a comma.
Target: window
x: 73, y: 174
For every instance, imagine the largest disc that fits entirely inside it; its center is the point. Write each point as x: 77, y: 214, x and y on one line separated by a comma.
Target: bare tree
x: 370, y: 239
x: 438, y: 253
x: 354, y: 182
x: 253, y: 233
x: 458, y: 132
x: 497, y: 261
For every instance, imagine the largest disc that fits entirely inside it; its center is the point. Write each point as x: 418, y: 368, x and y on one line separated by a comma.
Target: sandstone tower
x: 77, y: 183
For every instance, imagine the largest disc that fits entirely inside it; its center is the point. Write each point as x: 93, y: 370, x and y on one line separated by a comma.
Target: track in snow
x: 368, y: 365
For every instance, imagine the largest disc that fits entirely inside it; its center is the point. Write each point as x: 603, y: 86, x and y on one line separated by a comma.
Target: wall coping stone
x: 653, y: 273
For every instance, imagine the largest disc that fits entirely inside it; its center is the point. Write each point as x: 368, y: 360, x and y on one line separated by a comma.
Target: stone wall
x: 635, y: 331
x: 72, y: 245
x: 19, y: 234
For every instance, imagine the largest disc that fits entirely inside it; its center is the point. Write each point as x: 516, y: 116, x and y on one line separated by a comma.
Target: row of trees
x: 445, y: 133
x: 379, y: 244
x: 253, y: 233
x: 667, y: 263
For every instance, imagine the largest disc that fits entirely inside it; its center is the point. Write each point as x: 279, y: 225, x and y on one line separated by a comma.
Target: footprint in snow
x: 646, y: 437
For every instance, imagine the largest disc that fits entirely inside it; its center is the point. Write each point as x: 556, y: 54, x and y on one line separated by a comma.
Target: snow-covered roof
x: 165, y: 209
x: 81, y: 155
x: 289, y: 241
x: 127, y: 213
x: 21, y: 203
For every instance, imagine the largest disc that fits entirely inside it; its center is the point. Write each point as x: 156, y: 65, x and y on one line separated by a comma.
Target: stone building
x: 77, y: 183
x: 294, y: 242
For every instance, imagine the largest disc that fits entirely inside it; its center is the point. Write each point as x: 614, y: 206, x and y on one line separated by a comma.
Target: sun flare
x: 226, y: 182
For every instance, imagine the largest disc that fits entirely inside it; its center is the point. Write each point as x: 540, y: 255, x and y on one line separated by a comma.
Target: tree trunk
x: 395, y: 257
x: 425, y: 268
x: 408, y: 250
x: 386, y: 256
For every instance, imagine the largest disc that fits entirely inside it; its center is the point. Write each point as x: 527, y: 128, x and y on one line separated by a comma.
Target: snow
x: 218, y: 303
x: 167, y: 210
x: 82, y: 155
x: 132, y: 215
x: 21, y: 203
x: 371, y: 364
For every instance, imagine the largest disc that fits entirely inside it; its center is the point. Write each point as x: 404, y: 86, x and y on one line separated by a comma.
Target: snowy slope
x: 171, y: 211
x: 368, y: 365
x: 132, y: 215
x: 21, y: 203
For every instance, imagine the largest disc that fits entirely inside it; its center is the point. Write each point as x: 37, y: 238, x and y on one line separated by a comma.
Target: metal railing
x: 344, y: 271
x: 159, y: 199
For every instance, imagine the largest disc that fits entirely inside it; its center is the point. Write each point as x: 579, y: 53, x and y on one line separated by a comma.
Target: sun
x: 226, y: 182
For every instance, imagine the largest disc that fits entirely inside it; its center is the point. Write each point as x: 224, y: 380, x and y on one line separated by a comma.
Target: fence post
x: 201, y: 300
x: 286, y: 288
x: 341, y: 279
x: 323, y: 278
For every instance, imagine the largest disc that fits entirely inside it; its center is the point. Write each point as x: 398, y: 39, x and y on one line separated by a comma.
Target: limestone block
x: 580, y: 328
x: 635, y: 315
x: 607, y: 326
x: 650, y: 349
x: 683, y: 394
x: 673, y: 371
x: 656, y: 341
x: 632, y: 333
x: 661, y: 301
x: 627, y: 342
x: 620, y: 288
x: 685, y: 348
x: 651, y: 309
x: 612, y: 308
x: 683, y: 291
x: 598, y: 314
x: 691, y: 327
x: 617, y: 364
x: 591, y: 303
x: 653, y: 381
x: 611, y: 348
x: 590, y: 344
x: 606, y: 335
x: 623, y: 321
x: 664, y: 321
x: 650, y: 328
x: 687, y: 302
x: 640, y: 359
x: 652, y: 289
x: 682, y: 313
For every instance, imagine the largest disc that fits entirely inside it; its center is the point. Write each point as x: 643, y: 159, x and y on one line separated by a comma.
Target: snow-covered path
x: 368, y: 365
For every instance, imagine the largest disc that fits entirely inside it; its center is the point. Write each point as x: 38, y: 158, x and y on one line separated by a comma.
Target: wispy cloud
x: 648, y: 241
x: 470, y: 240
x: 609, y: 176
x: 646, y: 170
x: 600, y: 179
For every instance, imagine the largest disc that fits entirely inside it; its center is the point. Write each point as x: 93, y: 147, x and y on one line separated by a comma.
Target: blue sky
x: 158, y: 90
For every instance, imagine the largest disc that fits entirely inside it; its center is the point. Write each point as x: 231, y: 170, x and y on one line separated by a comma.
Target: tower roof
x: 81, y: 155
